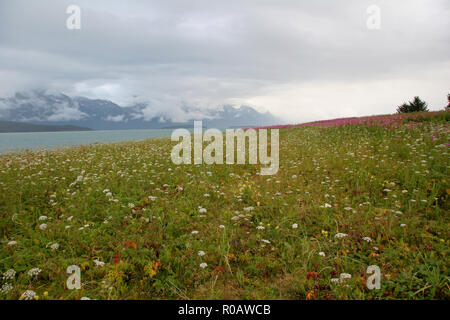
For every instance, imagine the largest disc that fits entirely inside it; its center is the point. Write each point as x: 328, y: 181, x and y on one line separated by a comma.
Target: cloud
x: 300, y: 60
x: 118, y: 118
x: 66, y: 113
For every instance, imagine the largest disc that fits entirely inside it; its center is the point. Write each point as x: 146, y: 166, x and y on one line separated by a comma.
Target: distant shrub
x: 438, y: 117
x: 448, y: 106
x: 417, y: 105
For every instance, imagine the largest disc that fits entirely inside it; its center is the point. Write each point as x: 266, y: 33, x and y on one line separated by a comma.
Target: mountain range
x: 38, y: 107
x: 11, y: 126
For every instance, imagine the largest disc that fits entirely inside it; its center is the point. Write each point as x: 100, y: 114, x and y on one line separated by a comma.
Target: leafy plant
x: 417, y: 105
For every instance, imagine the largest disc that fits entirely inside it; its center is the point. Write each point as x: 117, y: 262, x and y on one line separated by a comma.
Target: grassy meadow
x: 140, y: 227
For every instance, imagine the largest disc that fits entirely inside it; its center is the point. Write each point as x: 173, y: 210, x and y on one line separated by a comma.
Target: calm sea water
x: 51, y: 140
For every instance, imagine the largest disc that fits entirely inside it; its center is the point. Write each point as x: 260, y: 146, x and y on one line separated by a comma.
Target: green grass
x: 389, y: 184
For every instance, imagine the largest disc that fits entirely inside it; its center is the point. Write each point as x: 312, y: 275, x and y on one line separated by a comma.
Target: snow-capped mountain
x: 40, y: 108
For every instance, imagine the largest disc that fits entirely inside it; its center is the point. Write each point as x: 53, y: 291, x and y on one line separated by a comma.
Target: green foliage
x: 128, y: 206
x: 417, y: 105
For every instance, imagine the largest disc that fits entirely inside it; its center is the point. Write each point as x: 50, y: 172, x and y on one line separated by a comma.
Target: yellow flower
x: 151, y: 268
x: 84, y: 265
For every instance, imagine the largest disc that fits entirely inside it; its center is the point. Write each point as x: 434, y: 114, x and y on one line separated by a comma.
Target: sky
x: 299, y: 60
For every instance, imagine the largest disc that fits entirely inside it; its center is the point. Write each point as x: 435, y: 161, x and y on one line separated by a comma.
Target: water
x: 10, y: 142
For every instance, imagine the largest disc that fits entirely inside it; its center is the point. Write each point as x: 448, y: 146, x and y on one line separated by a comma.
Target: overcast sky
x: 300, y: 60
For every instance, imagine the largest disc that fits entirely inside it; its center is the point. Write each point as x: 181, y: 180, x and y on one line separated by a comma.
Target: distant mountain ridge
x: 11, y: 126
x: 37, y: 107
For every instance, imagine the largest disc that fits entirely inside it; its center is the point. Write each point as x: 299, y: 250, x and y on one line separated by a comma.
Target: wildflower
x: 85, y: 298
x: 260, y: 228
x: 295, y: 226
x: 131, y: 205
x: 367, y: 239
x: 43, y: 226
x: 42, y: 218
x: 34, y: 272
x: 335, y: 280
x: 222, y: 226
x: 201, y: 253
x: 54, y: 246
x: 12, y: 243
x: 326, y: 205
x: 99, y: 263
x: 249, y: 209
x: 9, y: 274
x: 322, y: 254
x: 340, y: 235
x: 206, y: 195
x: 203, y: 265
x: 7, y: 287
x: 312, y: 275
x: 202, y: 210
x: 28, y: 295
x: 344, y: 276
x: 264, y: 240
x: 403, y: 225
x: 117, y: 258
x: 194, y: 232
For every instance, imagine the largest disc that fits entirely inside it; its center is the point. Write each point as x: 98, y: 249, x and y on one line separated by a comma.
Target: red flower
x: 117, y: 258
x: 312, y: 275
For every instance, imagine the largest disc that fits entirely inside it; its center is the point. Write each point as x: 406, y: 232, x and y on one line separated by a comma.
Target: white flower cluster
x: 7, y: 287
x: 34, y: 272
x: 340, y: 235
x: 99, y: 263
x: 342, y: 278
x: 28, y: 295
x: 8, y: 275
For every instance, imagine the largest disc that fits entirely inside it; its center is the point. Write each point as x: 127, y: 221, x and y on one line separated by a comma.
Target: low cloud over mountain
x: 41, y: 108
